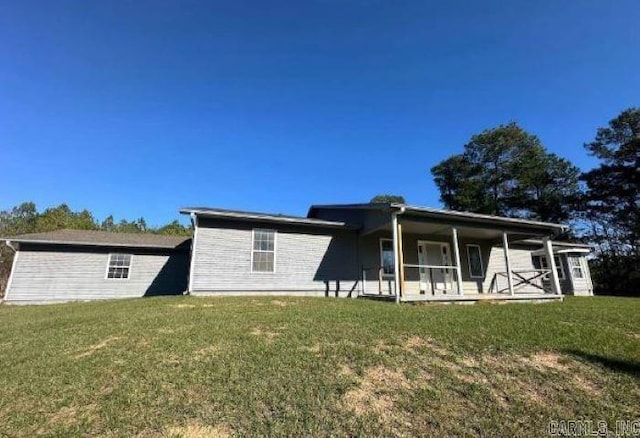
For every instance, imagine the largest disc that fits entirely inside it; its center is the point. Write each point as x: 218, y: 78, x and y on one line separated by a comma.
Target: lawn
x: 184, y: 366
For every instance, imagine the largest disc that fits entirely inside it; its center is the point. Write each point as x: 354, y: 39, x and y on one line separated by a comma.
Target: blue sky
x: 136, y: 108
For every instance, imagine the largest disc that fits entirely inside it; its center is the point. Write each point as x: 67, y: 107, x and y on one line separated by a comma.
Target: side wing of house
x: 242, y: 257
x: 578, y: 274
x: 58, y: 273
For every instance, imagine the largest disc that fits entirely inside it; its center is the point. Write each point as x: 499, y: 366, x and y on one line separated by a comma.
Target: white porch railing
x: 447, y: 283
x: 377, y: 273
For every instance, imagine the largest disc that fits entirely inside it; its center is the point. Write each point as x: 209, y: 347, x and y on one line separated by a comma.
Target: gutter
x: 464, y: 216
x: 100, y: 244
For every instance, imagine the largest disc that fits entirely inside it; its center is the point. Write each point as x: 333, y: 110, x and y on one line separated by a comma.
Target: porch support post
x: 507, y: 261
x: 401, y: 257
x: 396, y: 256
x: 551, y: 262
x: 456, y: 255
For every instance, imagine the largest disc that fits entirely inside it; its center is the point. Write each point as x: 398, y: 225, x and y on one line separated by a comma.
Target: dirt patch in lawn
x: 269, y: 335
x: 527, y: 377
x: 68, y: 416
x: 346, y: 371
x: 545, y: 361
x: 315, y: 348
x: 280, y: 303
x: 373, y: 394
x: 184, y: 306
x: 415, y: 343
x: 96, y: 347
x: 377, y: 391
x: 207, y: 351
x: 195, y: 429
x: 586, y: 385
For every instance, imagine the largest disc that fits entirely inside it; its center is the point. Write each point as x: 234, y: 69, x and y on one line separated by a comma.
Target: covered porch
x: 458, y: 257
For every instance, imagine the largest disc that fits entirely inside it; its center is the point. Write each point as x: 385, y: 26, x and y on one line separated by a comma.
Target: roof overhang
x: 246, y: 216
x: 471, y: 219
x: 11, y: 241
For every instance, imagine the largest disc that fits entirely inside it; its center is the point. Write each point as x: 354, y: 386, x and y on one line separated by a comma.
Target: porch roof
x: 441, y: 217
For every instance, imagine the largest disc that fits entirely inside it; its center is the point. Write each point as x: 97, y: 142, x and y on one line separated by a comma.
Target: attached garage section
x: 71, y: 265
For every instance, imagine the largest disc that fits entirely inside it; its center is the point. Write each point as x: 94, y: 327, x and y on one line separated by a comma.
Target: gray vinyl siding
x: 51, y: 274
x: 308, y: 261
x: 578, y: 286
x: 567, y: 285
x: 520, y: 259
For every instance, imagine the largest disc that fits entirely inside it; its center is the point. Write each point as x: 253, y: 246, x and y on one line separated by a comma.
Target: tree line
x: 507, y: 171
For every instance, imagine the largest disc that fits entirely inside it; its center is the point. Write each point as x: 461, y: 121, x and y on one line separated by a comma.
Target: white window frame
x: 474, y: 245
x: 275, y: 247
x: 558, y: 260
x: 106, y: 272
x: 578, y: 260
x: 385, y: 275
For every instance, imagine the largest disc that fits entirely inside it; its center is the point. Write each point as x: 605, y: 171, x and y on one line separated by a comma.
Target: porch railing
x: 368, y: 274
x: 426, y: 274
x: 534, y: 278
x: 377, y: 273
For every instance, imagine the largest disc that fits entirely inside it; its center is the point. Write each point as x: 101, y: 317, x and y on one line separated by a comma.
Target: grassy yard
x: 183, y: 366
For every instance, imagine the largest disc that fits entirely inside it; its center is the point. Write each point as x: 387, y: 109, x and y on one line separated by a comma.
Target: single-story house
x: 390, y: 251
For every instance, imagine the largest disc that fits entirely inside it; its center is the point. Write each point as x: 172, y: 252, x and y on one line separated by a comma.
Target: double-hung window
x: 576, y: 267
x: 263, y: 254
x: 119, y: 266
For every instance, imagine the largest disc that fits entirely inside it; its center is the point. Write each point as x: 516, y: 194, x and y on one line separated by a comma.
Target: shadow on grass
x: 622, y: 366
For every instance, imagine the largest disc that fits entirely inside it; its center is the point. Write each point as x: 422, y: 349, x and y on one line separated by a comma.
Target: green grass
x: 183, y: 366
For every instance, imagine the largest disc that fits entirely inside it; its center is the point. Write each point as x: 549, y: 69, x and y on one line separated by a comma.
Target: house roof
x: 100, y: 238
x: 442, y: 214
x: 219, y: 213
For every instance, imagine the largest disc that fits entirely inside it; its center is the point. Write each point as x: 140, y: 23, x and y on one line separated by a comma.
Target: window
x: 576, y: 267
x: 540, y: 262
x: 474, y: 257
x: 119, y: 266
x: 263, y: 255
x: 387, y: 259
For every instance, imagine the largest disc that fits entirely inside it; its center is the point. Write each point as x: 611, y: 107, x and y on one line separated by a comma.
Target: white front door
x: 436, y: 280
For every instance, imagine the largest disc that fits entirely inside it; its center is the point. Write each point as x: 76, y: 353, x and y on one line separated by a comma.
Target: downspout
x: 194, y: 223
x: 13, y: 268
x: 396, y: 256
